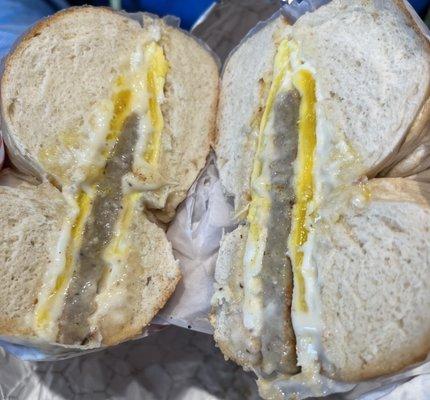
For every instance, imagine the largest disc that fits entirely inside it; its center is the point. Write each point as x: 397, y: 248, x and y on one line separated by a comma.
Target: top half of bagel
x: 75, y: 78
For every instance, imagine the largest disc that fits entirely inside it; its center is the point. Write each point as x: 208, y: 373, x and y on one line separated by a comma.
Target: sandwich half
x: 311, y: 117
x: 114, y: 117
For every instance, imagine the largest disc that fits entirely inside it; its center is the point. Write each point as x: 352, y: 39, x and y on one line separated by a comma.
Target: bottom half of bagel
x: 355, y: 309
x: 83, y: 271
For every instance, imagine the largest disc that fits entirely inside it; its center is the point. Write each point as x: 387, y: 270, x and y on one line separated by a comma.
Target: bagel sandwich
x: 326, y: 275
x: 108, y: 120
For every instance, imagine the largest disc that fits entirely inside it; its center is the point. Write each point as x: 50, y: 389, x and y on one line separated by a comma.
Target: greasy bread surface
x: 230, y: 334
x: 370, y: 112
x: 119, y: 115
x: 123, y: 320
x: 374, y: 273
x: 35, y: 216
x: 55, y: 61
x: 192, y: 84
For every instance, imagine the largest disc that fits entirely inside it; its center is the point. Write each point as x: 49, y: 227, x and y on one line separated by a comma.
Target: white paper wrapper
x: 195, y: 235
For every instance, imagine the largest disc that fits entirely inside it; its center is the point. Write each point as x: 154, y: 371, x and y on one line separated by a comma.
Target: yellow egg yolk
x: 304, y: 182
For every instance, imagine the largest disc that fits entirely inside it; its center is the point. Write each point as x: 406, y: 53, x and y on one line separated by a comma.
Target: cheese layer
x: 260, y: 205
x: 48, y: 305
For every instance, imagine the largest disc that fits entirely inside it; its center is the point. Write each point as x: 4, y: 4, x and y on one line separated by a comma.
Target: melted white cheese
x: 49, y: 330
